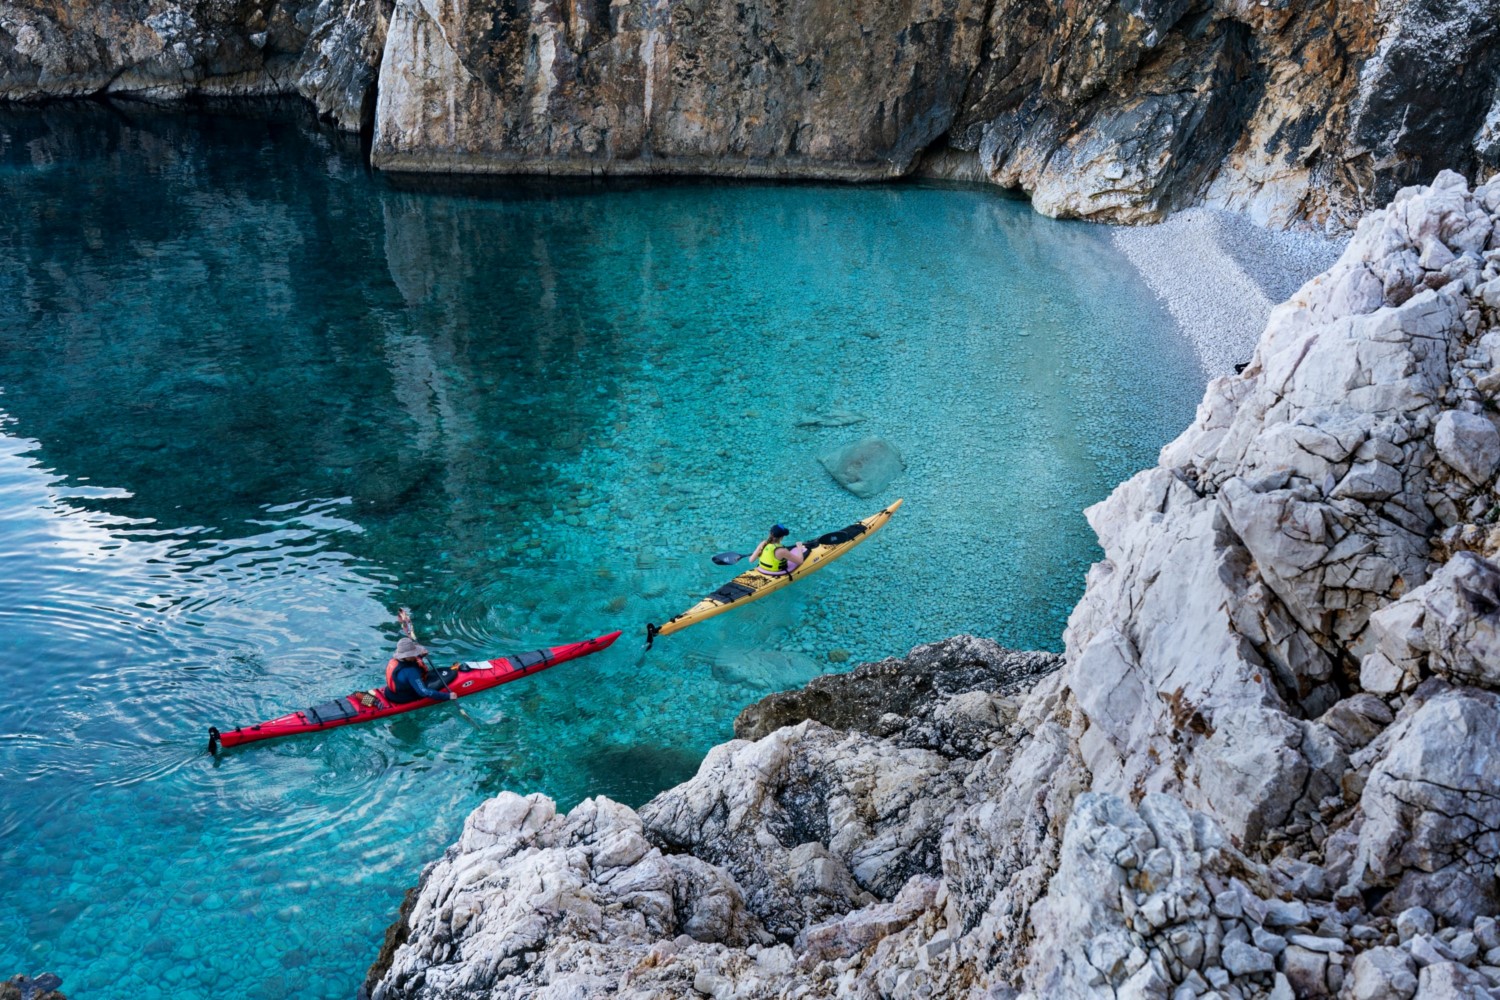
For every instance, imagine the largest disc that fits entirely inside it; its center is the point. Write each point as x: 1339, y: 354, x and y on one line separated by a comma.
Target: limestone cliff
x: 1265, y: 767
x: 764, y: 88
x: 1114, y: 110
x: 325, y: 50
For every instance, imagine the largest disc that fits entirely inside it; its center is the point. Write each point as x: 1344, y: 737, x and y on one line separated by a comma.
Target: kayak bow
x: 367, y: 706
x: 752, y: 585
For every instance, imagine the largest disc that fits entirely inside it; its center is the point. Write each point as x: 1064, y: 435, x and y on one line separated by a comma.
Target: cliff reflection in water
x: 224, y: 338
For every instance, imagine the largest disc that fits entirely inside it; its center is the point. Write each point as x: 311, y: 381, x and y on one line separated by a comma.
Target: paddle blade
x: 728, y: 558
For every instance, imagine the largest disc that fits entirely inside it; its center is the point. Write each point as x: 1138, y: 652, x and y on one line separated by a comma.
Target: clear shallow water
x: 252, y: 399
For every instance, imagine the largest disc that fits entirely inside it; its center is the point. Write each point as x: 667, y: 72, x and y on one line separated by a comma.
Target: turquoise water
x: 253, y: 398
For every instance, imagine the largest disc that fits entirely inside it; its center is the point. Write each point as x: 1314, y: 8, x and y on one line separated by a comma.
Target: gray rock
x: 1487, y: 933
x: 1306, y: 970
x: 1414, y: 921
x: 1451, y: 981
x: 1359, y: 719
x: 910, y: 687
x: 1286, y: 913
x: 1245, y: 960
x: 1325, y: 945
x: 326, y: 50
x: 1271, y: 944
x: 1426, y: 806
x: 1463, y: 948
x: 1445, y: 624
x: 1382, y: 974
x: 521, y: 874
x: 337, y: 67
x: 866, y: 467
x: 877, y: 808
x: 671, y: 89
x: 1428, y: 950
x: 1469, y: 443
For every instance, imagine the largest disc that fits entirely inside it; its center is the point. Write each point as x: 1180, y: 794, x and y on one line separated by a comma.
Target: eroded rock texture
x: 325, y: 50
x: 763, y: 88
x: 1114, y: 110
x: 1299, y: 109
x: 1266, y: 766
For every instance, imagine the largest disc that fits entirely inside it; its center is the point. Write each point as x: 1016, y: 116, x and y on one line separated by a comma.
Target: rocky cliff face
x: 1114, y: 110
x: 764, y: 88
x: 1104, y: 109
x: 1265, y: 767
x: 325, y: 50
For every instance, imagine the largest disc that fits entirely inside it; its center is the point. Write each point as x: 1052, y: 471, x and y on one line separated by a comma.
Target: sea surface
x: 254, y: 398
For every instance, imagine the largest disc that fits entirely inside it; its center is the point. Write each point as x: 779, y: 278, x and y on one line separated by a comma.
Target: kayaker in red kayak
x: 407, y: 676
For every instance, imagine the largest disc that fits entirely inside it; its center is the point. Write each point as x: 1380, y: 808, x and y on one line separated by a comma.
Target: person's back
x: 775, y: 559
x: 406, y: 678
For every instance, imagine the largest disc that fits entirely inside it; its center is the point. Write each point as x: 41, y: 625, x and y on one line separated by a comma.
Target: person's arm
x: 419, y: 685
x: 794, y: 556
x: 755, y: 556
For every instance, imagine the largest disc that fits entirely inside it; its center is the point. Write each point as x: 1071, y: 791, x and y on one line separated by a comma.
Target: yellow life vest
x: 768, y: 561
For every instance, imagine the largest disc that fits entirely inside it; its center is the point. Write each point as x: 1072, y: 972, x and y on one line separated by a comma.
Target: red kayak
x: 463, y: 680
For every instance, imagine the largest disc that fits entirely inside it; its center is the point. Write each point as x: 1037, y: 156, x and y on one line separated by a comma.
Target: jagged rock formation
x: 1105, y: 110
x: 1265, y: 768
x: 821, y: 89
x: 902, y: 693
x: 325, y: 50
x: 1116, y: 111
x: 43, y: 987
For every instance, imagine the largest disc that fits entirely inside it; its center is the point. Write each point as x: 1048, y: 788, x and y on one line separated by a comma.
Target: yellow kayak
x: 753, y: 584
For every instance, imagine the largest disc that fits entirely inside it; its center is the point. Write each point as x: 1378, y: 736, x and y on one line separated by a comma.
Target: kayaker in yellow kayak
x: 775, y: 559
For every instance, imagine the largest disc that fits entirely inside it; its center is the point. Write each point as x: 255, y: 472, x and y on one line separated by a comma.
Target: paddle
x: 404, y: 616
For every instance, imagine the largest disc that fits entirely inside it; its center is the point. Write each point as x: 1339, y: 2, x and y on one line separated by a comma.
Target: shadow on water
x: 634, y: 774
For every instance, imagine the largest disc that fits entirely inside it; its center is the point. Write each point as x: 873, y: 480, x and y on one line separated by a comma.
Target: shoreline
x: 1220, y: 274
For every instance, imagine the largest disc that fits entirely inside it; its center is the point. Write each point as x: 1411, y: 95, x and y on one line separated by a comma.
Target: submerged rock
x: 864, y: 468
x: 764, y: 669
x: 832, y: 418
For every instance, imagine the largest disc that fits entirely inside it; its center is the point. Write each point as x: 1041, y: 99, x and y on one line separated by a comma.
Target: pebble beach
x: 1219, y: 274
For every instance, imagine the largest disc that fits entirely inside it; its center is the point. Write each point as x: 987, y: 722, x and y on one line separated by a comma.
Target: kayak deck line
x: 463, y: 679
x: 752, y: 585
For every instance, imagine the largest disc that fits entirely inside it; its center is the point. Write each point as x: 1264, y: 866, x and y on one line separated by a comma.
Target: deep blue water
x: 253, y: 398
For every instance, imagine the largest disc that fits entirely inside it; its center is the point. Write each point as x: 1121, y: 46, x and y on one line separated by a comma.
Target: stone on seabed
x: 866, y: 467
x: 1198, y: 797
